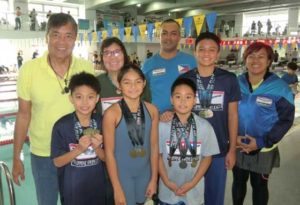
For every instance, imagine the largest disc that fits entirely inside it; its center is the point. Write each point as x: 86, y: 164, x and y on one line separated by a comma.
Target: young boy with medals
x: 131, y: 141
x: 187, y: 144
x: 77, y: 146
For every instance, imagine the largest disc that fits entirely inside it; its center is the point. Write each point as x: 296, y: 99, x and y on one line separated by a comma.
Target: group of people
x: 120, y: 137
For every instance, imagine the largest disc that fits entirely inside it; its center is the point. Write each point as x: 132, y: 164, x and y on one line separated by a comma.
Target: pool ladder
x: 4, y: 168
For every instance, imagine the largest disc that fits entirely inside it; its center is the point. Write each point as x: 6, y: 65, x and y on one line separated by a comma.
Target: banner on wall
x: 115, y: 32
x: 142, y: 28
x: 135, y: 31
x: 198, y: 20
x: 121, y: 33
x: 211, y: 21
x: 187, y: 24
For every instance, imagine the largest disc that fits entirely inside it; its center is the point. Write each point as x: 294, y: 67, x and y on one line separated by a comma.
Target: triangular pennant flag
x: 128, y: 33
x: 121, y: 33
x: 157, y: 29
x: 135, y: 31
x: 90, y: 37
x: 187, y: 24
x: 109, y: 32
x: 104, y: 34
x: 99, y: 35
x: 198, y: 20
x: 142, y: 28
x: 211, y: 20
x: 81, y: 38
x: 115, y: 32
x: 179, y: 21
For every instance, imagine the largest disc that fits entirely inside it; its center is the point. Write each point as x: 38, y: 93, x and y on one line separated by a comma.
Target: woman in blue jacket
x: 266, y: 113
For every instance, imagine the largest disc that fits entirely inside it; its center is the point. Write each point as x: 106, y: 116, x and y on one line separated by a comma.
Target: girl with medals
x: 131, y: 141
x: 187, y: 144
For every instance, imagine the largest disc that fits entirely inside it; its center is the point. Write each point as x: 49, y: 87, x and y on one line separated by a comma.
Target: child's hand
x: 96, y: 141
x: 181, y: 191
x: 120, y: 198
x: 84, y: 143
x: 172, y: 186
x: 151, y: 189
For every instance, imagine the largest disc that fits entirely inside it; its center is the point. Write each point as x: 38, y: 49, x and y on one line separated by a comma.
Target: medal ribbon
x: 135, y: 127
x: 205, y: 95
x: 79, y: 129
x: 180, y: 137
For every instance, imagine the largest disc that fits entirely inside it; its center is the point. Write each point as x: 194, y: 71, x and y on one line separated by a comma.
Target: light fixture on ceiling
x: 139, y: 5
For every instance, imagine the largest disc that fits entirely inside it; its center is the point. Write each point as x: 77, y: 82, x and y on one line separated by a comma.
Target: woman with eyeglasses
x: 266, y: 113
x: 113, y: 57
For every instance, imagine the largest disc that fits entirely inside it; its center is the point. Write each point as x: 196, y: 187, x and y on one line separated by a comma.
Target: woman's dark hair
x: 208, y: 36
x: 255, y: 47
x: 130, y: 67
x: 108, y: 42
x: 184, y: 81
x: 86, y: 79
x: 60, y: 19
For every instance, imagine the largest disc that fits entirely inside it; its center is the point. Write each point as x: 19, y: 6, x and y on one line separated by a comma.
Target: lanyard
x: 205, y: 95
x: 79, y: 129
x: 179, y: 137
x: 135, y: 127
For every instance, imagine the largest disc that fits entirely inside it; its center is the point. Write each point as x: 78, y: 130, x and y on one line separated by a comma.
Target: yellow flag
x: 104, y: 34
x: 128, y: 33
x: 157, y: 29
x: 115, y: 32
x: 142, y: 28
x: 179, y: 21
x: 94, y: 35
x: 198, y: 20
x: 85, y: 36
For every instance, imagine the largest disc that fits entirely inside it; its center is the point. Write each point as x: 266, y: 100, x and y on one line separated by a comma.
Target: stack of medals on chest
x: 205, y: 96
x: 180, y: 138
x: 136, y: 129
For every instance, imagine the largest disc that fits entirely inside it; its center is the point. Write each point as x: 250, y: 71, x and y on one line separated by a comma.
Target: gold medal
x: 133, y: 153
x: 142, y: 152
x: 194, y: 163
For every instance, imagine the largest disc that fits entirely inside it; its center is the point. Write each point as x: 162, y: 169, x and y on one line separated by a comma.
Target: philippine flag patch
x: 183, y: 68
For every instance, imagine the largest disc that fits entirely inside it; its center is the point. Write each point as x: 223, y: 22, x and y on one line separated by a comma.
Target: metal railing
x: 4, y: 168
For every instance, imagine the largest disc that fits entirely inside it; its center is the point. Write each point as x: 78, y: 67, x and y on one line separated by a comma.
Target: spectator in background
x: 149, y: 54
x: 19, y: 59
x: 269, y: 27
x: 226, y: 29
x: 276, y: 56
x: 18, y: 18
x: 35, y: 54
x: 253, y: 27
x: 32, y: 16
x: 295, y: 55
x: 48, y: 14
x: 259, y: 25
x: 291, y: 77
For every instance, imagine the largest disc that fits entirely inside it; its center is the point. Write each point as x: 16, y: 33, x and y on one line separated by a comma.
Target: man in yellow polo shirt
x: 43, y: 98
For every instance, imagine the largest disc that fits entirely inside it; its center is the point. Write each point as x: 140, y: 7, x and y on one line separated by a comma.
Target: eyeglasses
x: 115, y: 53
